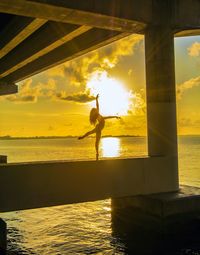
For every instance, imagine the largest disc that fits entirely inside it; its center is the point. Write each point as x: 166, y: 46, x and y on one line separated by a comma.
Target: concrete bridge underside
x: 62, y: 30
x: 39, y: 34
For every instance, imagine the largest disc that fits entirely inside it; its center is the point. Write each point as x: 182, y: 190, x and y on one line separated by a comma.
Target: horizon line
x: 7, y: 137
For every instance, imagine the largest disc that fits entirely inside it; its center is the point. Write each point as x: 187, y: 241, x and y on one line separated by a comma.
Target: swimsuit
x: 100, y: 125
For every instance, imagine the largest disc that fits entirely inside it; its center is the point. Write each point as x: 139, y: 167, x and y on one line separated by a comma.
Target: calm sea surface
x: 81, y: 228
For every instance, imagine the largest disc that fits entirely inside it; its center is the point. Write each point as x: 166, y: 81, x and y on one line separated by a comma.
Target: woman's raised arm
x: 97, y: 102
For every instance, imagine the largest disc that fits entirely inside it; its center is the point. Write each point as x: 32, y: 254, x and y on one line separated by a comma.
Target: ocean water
x: 84, y: 228
x: 24, y: 150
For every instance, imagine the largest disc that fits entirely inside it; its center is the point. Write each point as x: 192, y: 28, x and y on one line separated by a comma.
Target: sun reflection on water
x: 110, y: 147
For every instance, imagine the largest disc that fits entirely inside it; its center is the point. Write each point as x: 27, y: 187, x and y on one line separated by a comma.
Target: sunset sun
x: 114, y: 98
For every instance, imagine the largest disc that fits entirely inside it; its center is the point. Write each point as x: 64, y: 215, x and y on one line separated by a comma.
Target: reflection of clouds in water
x: 110, y: 147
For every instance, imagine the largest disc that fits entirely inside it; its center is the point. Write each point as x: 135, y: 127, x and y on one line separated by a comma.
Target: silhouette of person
x: 96, y: 117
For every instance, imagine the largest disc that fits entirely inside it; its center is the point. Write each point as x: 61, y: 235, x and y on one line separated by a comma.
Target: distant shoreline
x: 61, y: 137
x: 58, y: 137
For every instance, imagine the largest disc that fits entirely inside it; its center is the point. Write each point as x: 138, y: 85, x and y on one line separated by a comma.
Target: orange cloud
x: 77, y: 71
x: 78, y: 98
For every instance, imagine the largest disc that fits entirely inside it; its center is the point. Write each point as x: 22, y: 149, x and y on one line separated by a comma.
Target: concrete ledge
x: 164, y: 212
x: 7, y: 88
x: 186, y: 200
x: 44, y: 184
x: 3, y: 159
x: 159, y: 224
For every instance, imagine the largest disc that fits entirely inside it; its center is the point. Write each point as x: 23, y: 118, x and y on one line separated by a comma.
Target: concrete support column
x: 161, y: 93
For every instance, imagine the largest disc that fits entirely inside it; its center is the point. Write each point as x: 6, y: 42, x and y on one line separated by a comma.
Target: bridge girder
x: 110, y: 19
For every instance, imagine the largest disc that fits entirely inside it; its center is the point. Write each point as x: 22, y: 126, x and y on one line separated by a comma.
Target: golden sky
x: 57, y: 102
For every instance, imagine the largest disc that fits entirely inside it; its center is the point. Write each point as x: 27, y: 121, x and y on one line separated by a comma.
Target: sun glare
x: 110, y: 147
x: 114, y: 99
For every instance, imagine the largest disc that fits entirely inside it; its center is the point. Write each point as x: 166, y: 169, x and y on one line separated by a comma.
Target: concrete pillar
x: 161, y: 94
x: 3, y: 237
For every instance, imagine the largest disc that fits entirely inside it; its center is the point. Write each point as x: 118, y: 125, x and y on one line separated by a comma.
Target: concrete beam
x: 45, y: 40
x: 86, y: 42
x: 130, y: 16
x: 44, y: 184
x: 60, y: 11
x: 188, y: 32
x: 17, y: 31
x: 140, y: 10
x: 186, y: 14
x: 7, y: 88
x: 178, y: 14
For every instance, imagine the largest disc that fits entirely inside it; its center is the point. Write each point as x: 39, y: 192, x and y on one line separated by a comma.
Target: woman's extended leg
x: 87, y: 134
x: 98, y: 137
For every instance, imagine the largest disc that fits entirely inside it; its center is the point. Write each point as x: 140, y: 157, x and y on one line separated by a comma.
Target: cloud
x: 138, y: 106
x: 189, y: 122
x: 78, y: 98
x: 25, y: 99
x: 194, y: 49
x: 75, y: 74
x: 29, y: 92
x: 26, y: 94
x: 72, y: 76
x: 77, y: 71
x: 182, y: 88
x: 185, y: 122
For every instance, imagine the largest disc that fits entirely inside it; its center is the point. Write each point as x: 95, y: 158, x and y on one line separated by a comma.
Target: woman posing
x: 98, y: 121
